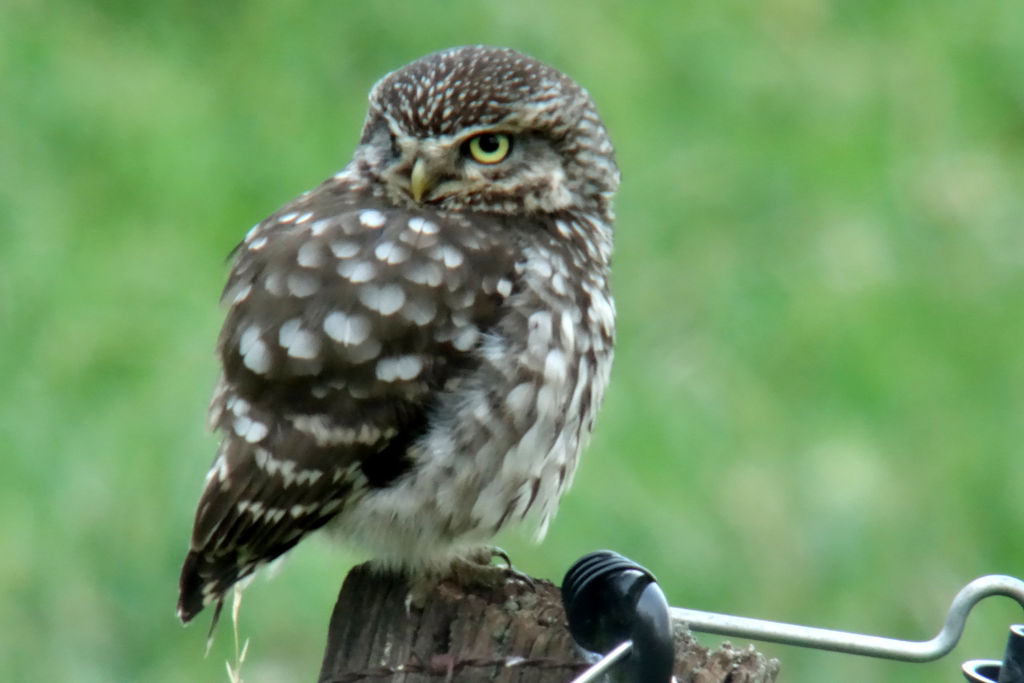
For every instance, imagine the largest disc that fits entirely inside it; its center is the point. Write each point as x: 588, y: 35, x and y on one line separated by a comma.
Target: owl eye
x: 488, y: 148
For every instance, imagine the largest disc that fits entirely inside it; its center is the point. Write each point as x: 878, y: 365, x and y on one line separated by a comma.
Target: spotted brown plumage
x: 414, y: 351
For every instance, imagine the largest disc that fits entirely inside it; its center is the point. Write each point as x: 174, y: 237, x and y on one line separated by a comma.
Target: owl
x: 414, y: 352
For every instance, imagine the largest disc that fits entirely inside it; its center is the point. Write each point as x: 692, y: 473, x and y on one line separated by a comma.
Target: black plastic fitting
x: 1010, y: 670
x: 610, y: 599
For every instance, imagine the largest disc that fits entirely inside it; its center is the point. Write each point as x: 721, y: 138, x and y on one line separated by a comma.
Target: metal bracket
x: 602, y: 594
x: 857, y: 643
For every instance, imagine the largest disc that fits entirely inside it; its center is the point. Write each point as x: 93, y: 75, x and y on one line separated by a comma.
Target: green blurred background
x: 817, y: 408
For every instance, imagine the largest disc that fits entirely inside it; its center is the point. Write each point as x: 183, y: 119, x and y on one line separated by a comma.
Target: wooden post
x: 511, y: 633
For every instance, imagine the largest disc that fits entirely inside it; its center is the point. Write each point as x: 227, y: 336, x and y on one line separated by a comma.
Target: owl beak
x: 422, y: 180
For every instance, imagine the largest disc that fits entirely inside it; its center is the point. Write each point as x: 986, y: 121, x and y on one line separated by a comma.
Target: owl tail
x: 198, y: 588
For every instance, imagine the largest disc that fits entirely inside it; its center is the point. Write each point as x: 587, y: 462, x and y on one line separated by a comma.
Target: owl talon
x: 499, y: 552
x: 476, y: 569
x: 473, y: 571
x: 510, y: 571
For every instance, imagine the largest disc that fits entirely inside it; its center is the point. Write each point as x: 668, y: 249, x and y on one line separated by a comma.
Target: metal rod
x: 605, y: 663
x: 856, y: 643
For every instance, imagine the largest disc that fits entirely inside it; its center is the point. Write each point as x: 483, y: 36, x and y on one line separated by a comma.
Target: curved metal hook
x: 856, y: 643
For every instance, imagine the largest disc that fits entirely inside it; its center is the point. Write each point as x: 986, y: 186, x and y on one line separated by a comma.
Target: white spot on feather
x: 423, y: 226
x: 241, y: 425
x: 391, y: 253
x: 219, y: 469
x: 238, y: 406
x: 254, y: 352
x: 451, y: 256
x: 344, y: 249
x: 384, y: 299
x: 371, y: 218
x: 349, y: 330
x: 298, y: 509
x: 399, y: 368
x: 274, y: 283
x: 241, y: 294
x: 425, y: 273
x: 257, y: 358
x: 299, y: 343
x: 257, y: 432
x: 275, y: 466
x: 302, y: 284
x: 306, y: 345
x: 309, y: 255
x: 357, y: 271
x: 466, y: 338
x: 286, y: 334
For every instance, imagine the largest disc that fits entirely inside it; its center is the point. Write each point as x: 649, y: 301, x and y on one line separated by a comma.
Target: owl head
x: 486, y: 129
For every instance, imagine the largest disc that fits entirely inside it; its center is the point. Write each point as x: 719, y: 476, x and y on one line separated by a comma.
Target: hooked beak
x: 422, y: 179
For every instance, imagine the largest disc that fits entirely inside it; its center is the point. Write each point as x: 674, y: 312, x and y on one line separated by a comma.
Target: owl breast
x: 503, y: 439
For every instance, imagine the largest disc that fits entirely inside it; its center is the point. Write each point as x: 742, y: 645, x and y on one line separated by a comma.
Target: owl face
x: 485, y: 129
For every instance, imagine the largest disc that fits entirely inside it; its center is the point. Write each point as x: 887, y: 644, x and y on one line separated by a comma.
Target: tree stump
x: 511, y: 633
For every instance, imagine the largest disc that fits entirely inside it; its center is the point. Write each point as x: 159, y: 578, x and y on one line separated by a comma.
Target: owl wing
x: 346, y: 319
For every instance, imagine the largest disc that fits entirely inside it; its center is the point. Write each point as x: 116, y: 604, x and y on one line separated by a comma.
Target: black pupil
x: 488, y: 143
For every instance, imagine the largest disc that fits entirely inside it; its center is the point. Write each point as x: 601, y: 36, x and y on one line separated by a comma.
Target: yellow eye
x: 488, y: 148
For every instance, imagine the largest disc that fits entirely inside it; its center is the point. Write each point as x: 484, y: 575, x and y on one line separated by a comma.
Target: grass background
x: 817, y: 409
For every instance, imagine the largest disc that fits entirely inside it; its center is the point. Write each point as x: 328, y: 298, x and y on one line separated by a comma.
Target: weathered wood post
x: 513, y: 633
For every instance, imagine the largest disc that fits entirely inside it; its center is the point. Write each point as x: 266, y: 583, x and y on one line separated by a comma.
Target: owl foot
x: 474, y: 570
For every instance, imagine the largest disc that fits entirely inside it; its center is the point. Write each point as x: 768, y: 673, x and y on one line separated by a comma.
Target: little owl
x: 414, y: 351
